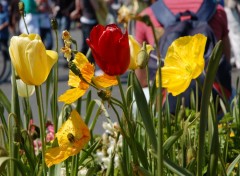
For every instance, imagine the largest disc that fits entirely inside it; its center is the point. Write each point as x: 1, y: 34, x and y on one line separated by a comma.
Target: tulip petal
x: 71, y: 95
x: 105, y: 81
x: 134, y: 50
x: 96, y: 33
x: 52, y: 57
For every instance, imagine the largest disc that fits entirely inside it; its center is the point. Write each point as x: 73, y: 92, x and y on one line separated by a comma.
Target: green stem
x: 25, y: 24
x: 42, y: 125
x: 160, y: 121
x: 55, y: 88
x: 131, y: 142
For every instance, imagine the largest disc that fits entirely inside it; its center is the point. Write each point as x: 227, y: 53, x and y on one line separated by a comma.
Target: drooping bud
x: 66, y: 35
x: 54, y: 24
x: 191, y: 154
x: 143, y: 57
x: 145, y: 19
x: 21, y: 8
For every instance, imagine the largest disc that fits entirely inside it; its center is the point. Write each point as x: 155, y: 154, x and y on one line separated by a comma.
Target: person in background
x: 232, y: 8
x: 14, y: 17
x: 86, y: 9
x: 62, y: 11
x: 45, y: 12
x: 31, y: 18
x: 4, y: 33
x: 4, y: 5
x: 218, y: 23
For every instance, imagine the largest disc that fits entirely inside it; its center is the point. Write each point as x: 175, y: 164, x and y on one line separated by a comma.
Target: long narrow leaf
x: 19, y: 164
x: 232, y: 165
x: 4, y: 101
x: 144, y: 111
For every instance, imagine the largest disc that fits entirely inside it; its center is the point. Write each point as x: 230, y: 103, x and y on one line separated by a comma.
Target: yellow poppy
x: 135, y: 48
x: 184, y: 61
x: 79, y: 86
x: 30, y: 58
x: 72, y: 137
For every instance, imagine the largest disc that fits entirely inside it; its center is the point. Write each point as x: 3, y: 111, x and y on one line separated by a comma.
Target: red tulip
x: 110, y: 49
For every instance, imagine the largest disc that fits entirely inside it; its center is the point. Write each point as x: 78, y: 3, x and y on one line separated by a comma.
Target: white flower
x: 23, y: 89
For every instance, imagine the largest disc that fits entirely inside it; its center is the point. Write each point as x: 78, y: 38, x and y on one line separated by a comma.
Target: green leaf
x: 142, y: 156
x: 4, y: 101
x: 232, y: 165
x: 19, y: 164
x: 87, y: 153
x: 207, y: 90
x: 171, y: 140
x: 180, y: 171
x: 144, y: 111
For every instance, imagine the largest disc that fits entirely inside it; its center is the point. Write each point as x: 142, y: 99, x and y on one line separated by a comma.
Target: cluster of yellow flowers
x: 184, y: 62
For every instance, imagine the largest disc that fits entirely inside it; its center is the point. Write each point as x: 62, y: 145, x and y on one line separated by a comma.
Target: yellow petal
x: 87, y: 71
x: 80, y: 60
x: 71, y: 95
x: 187, y: 52
x: 149, y: 48
x: 174, y: 80
x: 105, y: 81
x: 75, y: 126
x: 55, y: 156
x: 134, y: 50
x: 74, y: 80
x: 184, y: 61
x: 52, y: 58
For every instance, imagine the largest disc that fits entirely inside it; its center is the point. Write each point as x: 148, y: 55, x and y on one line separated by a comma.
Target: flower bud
x: 145, y: 19
x: 105, y: 95
x: 74, y: 68
x: 54, y: 24
x: 143, y: 57
x: 21, y: 7
x: 191, y: 154
x: 66, y: 35
x: 67, y: 52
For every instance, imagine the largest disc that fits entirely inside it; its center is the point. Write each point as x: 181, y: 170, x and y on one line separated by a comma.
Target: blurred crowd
x: 84, y: 14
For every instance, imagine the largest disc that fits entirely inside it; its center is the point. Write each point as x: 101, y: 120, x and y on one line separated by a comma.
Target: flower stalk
x: 207, y: 88
x: 42, y: 125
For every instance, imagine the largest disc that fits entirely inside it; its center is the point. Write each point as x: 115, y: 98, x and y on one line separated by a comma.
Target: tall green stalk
x: 42, y: 125
x: 207, y: 88
x: 55, y: 87
x: 160, y: 120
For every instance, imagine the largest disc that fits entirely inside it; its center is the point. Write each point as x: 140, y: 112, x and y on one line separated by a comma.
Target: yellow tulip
x: 30, y: 58
x: 72, y: 137
x: 135, y: 49
x: 184, y: 61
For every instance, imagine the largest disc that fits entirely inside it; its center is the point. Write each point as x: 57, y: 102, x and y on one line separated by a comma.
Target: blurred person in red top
x: 218, y: 23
